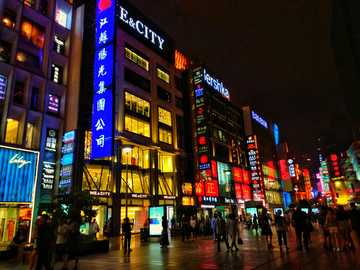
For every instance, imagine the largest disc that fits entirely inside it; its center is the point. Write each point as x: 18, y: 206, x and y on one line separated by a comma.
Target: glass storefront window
x: 136, y: 183
x: 163, y: 75
x: 164, y: 116
x: 12, y: 129
x: 29, y: 135
x: 166, y: 185
x: 166, y: 163
x: 100, y: 178
x: 138, y: 158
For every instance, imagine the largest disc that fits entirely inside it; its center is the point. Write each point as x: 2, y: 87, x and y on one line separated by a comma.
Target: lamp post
x: 228, y: 172
x: 127, y: 150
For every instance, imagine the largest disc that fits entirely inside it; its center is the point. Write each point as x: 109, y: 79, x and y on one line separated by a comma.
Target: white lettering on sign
x: 141, y: 28
x: 19, y: 160
x: 257, y: 118
x: 214, y: 83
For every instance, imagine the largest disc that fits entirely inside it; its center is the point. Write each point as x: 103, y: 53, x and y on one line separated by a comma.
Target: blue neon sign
x: 276, y: 135
x: 218, y: 86
x: 102, y: 118
x: 258, y: 119
x: 18, y: 171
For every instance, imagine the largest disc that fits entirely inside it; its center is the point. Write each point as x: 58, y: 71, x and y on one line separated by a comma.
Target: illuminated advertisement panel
x: 18, y: 173
x: 203, y: 140
x: 211, y: 188
x: 238, y: 192
x: 186, y: 188
x: 246, y: 177
x: 199, y: 188
x: 238, y: 175
x: 255, y: 170
x: 155, y: 215
x: 3, y: 83
x: 102, y: 118
x: 246, y: 192
x: 188, y: 201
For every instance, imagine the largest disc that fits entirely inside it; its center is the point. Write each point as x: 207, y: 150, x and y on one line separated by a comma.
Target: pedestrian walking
x: 301, y: 223
x: 61, y: 233
x: 232, y: 231
x: 43, y: 243
x: 213, y: 220
x: 184, y: 228
x: 220, y: 228
x: 332, y: 224
x: 72, y: 247
x: 266, y: 228
x: 126, y: 230
x: 173, y: 223
x: 287, y: 221
x: 193, y: 228
x: 344, y: 227
x: 255, y: 223
x: 164, y: 239
x: 354, y: 216
x: 34, y: 253
x: 280, y: 226
x: 322, y: 221
x: 94, y: 228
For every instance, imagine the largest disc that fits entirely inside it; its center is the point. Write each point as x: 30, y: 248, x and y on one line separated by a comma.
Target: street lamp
x: 228, y: 172
x: 127, y: 150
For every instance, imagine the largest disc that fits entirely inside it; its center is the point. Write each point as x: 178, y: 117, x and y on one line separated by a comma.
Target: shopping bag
x: 240, y: 241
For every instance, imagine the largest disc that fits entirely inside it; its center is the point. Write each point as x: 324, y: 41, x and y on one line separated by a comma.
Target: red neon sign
x: 238, y: 176
x: 180, y: 61
x: 199, y: 188
x: 212, y: 189
x: 285, y: 175
x: 246, y: 177
x: 238, y: 191
x: 214, y: 169
x: 104, y: 4
x: 246, y: 192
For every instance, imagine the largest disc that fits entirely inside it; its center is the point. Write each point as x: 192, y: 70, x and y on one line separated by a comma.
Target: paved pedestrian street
x: 203, y: 254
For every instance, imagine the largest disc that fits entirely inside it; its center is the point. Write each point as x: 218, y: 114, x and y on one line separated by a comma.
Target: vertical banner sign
x: 102, y: 118
x: 255, y: 170
x: 3, y: 83
x: 201, y: 119
x: 48, y: 173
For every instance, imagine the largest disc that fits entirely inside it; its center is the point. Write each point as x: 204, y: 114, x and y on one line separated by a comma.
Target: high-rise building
x: 38, y: 71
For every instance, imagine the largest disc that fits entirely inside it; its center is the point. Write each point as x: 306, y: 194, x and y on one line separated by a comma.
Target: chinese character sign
x: 102, y: 118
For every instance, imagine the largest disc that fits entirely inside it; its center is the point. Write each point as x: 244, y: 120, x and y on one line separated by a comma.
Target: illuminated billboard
x: 18, y: 173
x: 255, y: 170
x: 155, y: 215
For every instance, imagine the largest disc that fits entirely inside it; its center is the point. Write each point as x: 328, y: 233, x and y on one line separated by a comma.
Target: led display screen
x: 18, y: 172
x: 67, y: 159
x: 155, y: 215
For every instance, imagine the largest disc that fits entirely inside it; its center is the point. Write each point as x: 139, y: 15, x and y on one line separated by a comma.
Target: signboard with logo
x: 140, y: 27
x: 18, y: 174
x: 186, y: 188
x: 102, y: 118
x: 49, y: 166
x: 155, y: 215
x: 255, y: 170
x: 258, y: 119
x: 188, y: 201
x: 238, y: 175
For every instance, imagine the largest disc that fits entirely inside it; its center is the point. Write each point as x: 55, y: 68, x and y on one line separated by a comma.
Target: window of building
x: 218, y: 120
x: 138, y: 158
x: 164, y: 116
x: 59, y: 44
x: 33, y: 33
x: 29, y: 135
x: 180, y: 130
x: 138, y: 183
x: 220, y: 135
x: 18, y: 93
x: 28, y: 58
x: 56, y: 73
x: 165, y: 163
x: 54, y: 104
x: 221, y: 151
x: 137, y: 80
x: 165, y: 136
x: 218, y: 106
x: 136, y: 57
x: 136, y: 104
x: 166, y: 185
x: 137, y: 126
x: 12, y: 129
x: 43, y: 6
x: 9, y: 18
x: 34, y: 94
x: 163, y: 75
x: 87, y: 144
x: 29, y: 3
x: 178, y: 102
x: 163, y: 94
x: 61, y: 17
x: 177, y: 83
x: 231, y: 127
x: 5, y: 50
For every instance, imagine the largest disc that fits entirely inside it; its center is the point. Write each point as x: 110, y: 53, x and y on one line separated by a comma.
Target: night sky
x: 275, y: 56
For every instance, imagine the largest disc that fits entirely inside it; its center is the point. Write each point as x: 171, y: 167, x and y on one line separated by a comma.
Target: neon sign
x: 255, y: 168
x: 284, y: 170
x: 335, y: 165
x: 19, y: 160
x: 214, y: 83
x: 258, y: 119
x: 291, y: 167
x: 180, y: 61
x: 141, y: 28
x: 102, y: 118
x: 3, y: 83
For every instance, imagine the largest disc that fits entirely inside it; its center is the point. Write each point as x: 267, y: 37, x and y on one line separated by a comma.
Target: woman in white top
x: 193, y: 228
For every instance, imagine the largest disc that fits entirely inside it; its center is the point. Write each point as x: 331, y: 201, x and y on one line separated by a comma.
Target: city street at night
x: 203, y: 254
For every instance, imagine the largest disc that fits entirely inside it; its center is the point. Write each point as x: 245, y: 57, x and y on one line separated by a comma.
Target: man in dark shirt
x: 354, y: 215
x: 301, y: 221
x: 184, y: 227
x: 43, y: 244
x: 126, y: 230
